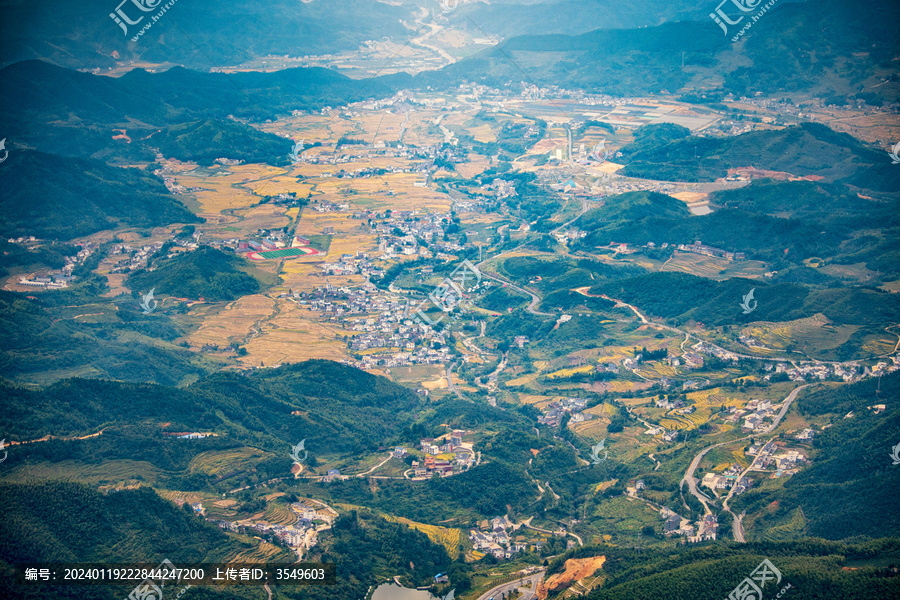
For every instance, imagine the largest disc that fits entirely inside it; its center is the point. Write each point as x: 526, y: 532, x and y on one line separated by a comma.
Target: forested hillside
x: 814, y: 568
x: 58, y: 198
x: 851, y: 471
x: 205, y: 273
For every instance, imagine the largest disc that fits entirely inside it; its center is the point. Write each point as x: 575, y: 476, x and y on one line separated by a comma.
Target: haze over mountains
x: 579, y: 297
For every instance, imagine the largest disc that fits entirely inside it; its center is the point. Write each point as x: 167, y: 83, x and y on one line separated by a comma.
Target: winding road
x: 527, y: 593
x: 692, y: 481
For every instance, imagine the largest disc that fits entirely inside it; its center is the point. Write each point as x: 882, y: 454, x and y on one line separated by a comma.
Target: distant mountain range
x: 835, y: 49
x: 191, y: 32
x: 78, y: 114
x: 669, y: 152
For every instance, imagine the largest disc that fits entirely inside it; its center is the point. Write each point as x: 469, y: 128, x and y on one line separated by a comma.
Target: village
x: 307, y: 519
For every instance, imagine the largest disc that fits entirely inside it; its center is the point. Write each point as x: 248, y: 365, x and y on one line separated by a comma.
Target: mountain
x: 61, y: 521
x: 618, y: 62
x: 850, y: 466
x: 206, y: 273
x: 716, y: 302
x: 780, y: 222
x: 510, y: 19
x: 814, y: 569
x: 190, y: 33
x: 806, y: 150
x: 796, y: 47
x: 338, y: 408
x: 43, y: 340
x: 56, y: 197
x: 205, y: 141
x: 73, y: 113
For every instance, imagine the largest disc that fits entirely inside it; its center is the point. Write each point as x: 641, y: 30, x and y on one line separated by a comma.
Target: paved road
x: 528, y: 593
x: 535, y: 299
x: 692, y: 481
x: 737, y: 525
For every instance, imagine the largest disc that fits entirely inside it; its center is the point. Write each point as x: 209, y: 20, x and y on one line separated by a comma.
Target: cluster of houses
x: 706, y: 528
x: 848, y: 371
x: 351, y: 264
x: 495, y: 537
x: 700, y: 248
x: 300, y: 535
x: 554, y: 412
x: 756, y: 414
x: 137, y: 257
x: 380, y: 322
x: 188, y: 435
x: 782, y: 458
x: 53, y: 279
x: 403, y: 234
x: 727, y: 479
x: 502, y: 188
x: 442, y: 456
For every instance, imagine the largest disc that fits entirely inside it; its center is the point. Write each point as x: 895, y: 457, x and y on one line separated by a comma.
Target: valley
x: 487, y: 315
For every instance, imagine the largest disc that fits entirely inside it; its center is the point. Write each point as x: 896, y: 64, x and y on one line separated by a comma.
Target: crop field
x: 278, y: 513
x: 295, y: 252
x: 623, y: 515
x: 592, y: 430
x: 657, y: 369
x: 279, y: 184
x: 234, y: 323
x: 570, y: 371
x: 812, y: 334
x: 677, y: 422
x: 696, y: 264
x: 523, y: 380
x: 260, y: 553
x: 220, y: 462
x: 713, y: 398
x: 113, y: 473
x: 292, y: 334
x: 449, y: 538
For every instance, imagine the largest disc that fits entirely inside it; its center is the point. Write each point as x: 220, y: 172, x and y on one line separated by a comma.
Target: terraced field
x: 449, y: 537
x: 220, y: 462
x: 279, y: 513
x: 261, y: 552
